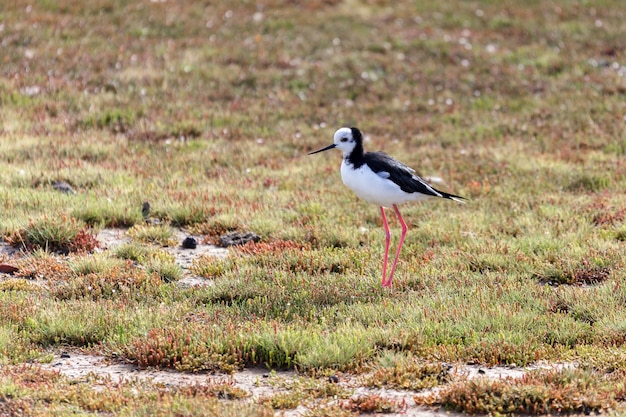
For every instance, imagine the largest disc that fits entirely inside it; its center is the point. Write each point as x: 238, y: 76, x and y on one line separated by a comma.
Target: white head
x: 345, y: 139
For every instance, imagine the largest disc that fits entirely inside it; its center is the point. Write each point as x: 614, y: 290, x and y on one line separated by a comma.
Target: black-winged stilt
x: 379, y: 179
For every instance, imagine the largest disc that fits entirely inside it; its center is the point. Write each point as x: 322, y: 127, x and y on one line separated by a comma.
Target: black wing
x: 403, y: 175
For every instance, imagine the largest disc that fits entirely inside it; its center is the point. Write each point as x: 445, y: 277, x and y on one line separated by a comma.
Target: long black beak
x: 323, y: 149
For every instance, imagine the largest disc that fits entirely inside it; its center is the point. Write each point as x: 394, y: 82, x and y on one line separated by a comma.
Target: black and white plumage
x: 382, y: 180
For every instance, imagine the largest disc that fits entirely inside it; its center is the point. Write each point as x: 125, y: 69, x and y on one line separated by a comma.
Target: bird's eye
x: 344, y: 139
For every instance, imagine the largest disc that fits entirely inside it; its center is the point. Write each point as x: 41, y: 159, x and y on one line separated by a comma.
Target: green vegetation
x: 207, y: 111
x: 162, y: 235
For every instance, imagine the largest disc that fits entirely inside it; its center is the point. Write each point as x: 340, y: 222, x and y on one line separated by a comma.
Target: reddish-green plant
x: 124, y: 281
x: 175, y: 348
x: 62, y: 235
x: 547, y: 392
x: 375, y: 404
x: 274, y: 247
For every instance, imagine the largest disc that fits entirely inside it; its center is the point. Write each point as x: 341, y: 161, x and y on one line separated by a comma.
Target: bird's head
x: 345, y: 139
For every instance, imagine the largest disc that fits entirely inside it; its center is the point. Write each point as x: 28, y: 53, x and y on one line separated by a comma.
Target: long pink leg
x: 387, y: 241
x: 402, y: 236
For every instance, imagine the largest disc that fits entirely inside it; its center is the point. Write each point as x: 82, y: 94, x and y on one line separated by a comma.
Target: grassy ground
x: 207, y: 111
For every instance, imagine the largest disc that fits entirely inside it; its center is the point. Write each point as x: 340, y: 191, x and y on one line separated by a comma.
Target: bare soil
x: 258, y: 381
x: 111, y: 238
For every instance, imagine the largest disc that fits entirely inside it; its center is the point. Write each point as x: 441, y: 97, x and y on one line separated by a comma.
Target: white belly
x: 373, y: 188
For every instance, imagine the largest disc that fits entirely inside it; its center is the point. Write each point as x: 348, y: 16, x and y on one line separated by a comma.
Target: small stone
x: 266, y: 375
x: 65, y: 355
x: 333, y: 379
x: 238, y: 238
x: 63, y: 187
x: 482, y: 371
x: 190, y: 243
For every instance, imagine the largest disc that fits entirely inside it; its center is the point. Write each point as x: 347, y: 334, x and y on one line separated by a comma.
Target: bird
x: 377, y: 178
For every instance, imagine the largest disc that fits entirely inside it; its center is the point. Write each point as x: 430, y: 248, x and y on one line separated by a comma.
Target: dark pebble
x: 63, y: 187
x: 481, y: 371
x: 237, y: 238
x: 190, y: 243
x: 65, y: 355
x: 333, y: 379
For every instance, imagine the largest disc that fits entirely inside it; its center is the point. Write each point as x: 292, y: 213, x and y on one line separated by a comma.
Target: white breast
x: 374, y: 188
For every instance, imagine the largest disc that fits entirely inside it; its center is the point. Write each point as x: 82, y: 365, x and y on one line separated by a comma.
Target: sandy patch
x: 111, y: 238
x: 258, y: 382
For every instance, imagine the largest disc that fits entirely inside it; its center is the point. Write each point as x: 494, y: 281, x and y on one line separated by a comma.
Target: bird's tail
x: 456, y: 198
